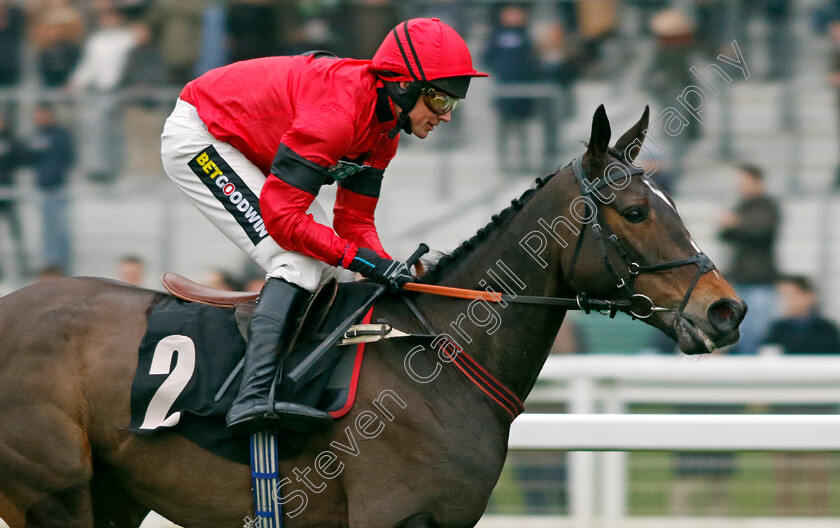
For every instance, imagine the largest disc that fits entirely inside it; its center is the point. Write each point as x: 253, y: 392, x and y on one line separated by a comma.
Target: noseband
x: 602, y: 231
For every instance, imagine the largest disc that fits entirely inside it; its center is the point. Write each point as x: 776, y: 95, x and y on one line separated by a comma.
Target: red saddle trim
x: 354, y: 381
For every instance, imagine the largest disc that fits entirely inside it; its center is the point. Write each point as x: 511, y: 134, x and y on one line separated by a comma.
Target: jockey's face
x: 423, y: 120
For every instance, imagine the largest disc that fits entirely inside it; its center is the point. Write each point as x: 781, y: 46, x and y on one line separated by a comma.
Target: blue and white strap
x: 264, y: 478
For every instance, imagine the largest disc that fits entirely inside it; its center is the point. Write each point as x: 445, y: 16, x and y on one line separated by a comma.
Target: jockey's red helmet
x: 427, y: 51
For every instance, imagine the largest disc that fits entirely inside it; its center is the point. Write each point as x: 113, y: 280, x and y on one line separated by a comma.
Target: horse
x: 424, y: 444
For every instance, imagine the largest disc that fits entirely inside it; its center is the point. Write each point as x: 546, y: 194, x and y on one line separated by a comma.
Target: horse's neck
x: 512, y: 342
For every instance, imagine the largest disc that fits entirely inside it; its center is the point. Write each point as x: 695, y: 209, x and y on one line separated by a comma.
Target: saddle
x: 244, y: 303
x: 187, y: 290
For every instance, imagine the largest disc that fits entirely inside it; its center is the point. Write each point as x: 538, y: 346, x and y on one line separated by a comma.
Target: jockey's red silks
x: 314, y: 112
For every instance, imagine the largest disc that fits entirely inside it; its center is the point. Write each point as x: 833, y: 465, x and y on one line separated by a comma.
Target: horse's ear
x: 636, y: 132
x: 599, y: 140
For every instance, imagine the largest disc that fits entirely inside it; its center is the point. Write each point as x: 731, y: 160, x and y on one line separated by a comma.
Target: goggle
x: 439, y: 102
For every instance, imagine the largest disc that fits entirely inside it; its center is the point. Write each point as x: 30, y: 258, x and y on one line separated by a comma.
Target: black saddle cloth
x: 189, y: 351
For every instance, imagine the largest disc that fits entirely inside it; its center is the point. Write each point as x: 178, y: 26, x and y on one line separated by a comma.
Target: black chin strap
x: 602, y: 231
x: 403, y: 123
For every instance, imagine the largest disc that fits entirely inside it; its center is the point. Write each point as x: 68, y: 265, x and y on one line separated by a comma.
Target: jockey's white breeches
x: 225, y: 187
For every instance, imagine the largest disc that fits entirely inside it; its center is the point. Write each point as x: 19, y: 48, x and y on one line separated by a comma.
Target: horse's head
x: 636, y: 246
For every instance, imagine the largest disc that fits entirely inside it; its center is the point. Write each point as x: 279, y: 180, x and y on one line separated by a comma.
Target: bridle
x: 602, y: 231
x: 637, y: 305
x: 603, y: 235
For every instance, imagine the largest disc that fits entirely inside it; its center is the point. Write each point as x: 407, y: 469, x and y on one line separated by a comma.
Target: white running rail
x: 598, y: 390
x: 676, y: 432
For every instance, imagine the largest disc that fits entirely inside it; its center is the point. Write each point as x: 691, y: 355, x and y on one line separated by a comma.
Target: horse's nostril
x: 726, y: 314
x: 723, y: 312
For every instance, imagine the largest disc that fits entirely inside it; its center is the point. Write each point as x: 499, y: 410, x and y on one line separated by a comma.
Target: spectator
x: 558, y: 65
x: 571, y: 339
x: 51, y: 154
x: 179, y: 26
x: 12, y: 25
x: 145, y: 67
x: 752, y: 230
x: 9, y: 162
x: 703, y: 477
x: 556, y: 69
x: 670, y: 70
x: 371, y: 18
x: 133, y: 10
x: 101, y: 70
x: 145, y: 72
x: 714, y: 27
x: 834, y: 74
x: 213, y: 51
x: 802, y: 330
x: 57, y: 34
x: 252, y: 29
x: 596, y: 23
x: 512, y: 58
x: 222, y: 280
x: 315, y: 27
x: 255, y: 283
x: 131, y: 270
x: 105, y: 53
x: 49, y: 273
x: 778, y: 38
x: 660, y: 166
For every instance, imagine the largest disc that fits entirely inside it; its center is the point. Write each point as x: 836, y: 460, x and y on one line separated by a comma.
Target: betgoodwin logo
x: 228, y: 188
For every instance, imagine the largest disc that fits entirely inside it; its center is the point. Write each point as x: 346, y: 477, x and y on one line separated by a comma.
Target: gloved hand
x: 392, y: 273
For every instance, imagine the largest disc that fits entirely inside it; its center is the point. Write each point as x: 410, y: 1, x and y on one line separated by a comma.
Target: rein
x: 581, y: 302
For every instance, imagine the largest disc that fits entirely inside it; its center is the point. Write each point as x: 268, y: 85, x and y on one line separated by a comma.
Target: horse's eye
x: 635, y: 215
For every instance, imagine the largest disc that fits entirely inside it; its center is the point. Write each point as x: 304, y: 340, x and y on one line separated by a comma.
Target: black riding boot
x: 269, y: 332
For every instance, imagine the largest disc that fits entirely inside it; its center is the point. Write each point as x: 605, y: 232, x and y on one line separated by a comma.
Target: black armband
x: 298, y: 171
x: 367, y: 182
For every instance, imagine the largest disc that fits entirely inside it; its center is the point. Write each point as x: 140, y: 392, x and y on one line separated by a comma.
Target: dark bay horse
x: 423, y: 446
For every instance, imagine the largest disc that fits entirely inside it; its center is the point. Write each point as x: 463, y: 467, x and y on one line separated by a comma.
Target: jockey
x: 252, y: 143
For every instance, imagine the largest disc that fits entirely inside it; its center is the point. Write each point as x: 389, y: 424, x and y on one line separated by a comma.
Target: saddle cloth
x: 190, y: 349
